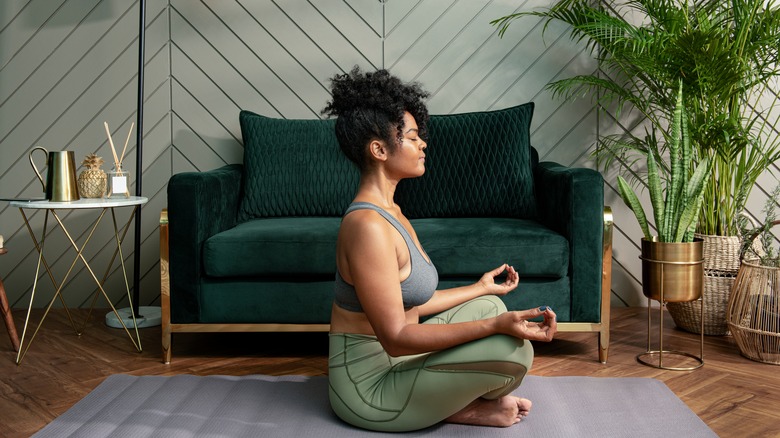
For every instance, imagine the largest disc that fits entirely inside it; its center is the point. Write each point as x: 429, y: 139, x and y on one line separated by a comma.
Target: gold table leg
x: 79, y: 255
x: 57, y: 287
x: 118, y: 251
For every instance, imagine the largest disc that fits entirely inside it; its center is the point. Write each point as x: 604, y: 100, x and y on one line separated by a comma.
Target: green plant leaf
x: 695, y: 196
x: 656, y: 191
x: 631, y: 200
x: 676, y: 185
x: 724, y: 52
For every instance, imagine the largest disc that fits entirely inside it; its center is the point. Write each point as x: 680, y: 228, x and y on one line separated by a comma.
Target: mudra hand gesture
x: 488, y: 280
x: 517, y: 324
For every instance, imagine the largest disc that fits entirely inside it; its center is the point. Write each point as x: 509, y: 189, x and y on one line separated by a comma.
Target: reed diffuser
x: 118, y: 178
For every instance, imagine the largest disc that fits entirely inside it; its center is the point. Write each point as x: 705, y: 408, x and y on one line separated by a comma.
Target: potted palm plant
x: 725, y: 54
x: 672, y: 261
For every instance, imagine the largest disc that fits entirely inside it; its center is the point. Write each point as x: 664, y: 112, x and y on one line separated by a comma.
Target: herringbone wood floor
x: 733, y: 395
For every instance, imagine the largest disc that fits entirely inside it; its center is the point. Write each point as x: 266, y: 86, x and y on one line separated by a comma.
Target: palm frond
x: 724, y: 52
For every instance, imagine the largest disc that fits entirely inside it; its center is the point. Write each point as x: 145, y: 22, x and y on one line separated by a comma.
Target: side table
x: 51, y: 209
x: 5, y: 308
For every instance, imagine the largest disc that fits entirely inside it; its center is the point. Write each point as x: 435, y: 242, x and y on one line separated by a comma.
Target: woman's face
x: 409, y: 158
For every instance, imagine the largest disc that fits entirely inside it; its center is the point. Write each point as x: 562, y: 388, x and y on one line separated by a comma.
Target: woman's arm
x: 449, y: 298
x: 370, y: 259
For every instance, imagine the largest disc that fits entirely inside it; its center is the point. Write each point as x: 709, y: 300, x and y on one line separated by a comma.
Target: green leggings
x: 372, y: 390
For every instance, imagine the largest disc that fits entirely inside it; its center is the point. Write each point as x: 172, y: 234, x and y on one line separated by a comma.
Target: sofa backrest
x: 478, y: 165
x: 293, y: 168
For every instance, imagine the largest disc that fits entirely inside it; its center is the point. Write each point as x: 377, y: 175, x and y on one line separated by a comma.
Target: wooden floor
x: 733, y: 395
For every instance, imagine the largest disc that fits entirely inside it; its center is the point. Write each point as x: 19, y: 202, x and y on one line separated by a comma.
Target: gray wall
x: 68, y: 65
x: 65, y: 68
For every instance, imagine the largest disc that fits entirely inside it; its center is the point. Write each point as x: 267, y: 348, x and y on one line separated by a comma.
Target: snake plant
x: 676, y: 206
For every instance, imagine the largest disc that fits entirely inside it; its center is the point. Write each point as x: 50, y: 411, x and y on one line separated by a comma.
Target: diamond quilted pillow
x: 477, y: 165
x: 293, y: 168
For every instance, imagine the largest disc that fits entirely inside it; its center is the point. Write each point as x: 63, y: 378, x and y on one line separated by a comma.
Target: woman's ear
x: 378, y: 150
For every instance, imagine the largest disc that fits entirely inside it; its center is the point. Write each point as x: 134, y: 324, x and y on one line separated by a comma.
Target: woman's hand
x: 488, y: 280
x: 516, y: 324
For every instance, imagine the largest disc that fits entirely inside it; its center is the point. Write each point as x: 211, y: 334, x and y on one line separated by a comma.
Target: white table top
x: 82, y: 203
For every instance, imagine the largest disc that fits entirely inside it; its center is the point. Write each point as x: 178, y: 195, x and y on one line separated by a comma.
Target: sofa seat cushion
x: 475, y: 245
x: 300, y: 246
x: 283, y: 247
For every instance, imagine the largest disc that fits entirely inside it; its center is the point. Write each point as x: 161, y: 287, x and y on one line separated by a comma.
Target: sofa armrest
x: 570, y: 201
x: 200, y: 205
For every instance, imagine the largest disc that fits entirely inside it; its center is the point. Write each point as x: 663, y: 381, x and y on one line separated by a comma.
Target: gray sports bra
x: 417, y: 289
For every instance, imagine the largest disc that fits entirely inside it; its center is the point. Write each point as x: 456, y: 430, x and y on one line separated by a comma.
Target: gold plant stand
x: 655, y: 358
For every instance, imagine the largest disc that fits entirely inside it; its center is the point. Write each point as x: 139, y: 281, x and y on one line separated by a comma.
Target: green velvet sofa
x: 251, y: 247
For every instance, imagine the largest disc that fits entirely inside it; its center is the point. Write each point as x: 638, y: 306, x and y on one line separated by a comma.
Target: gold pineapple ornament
x: 92, y: 180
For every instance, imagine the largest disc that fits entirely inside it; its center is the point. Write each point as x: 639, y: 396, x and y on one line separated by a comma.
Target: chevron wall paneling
x: 66, y: 66
x: 207, y: 60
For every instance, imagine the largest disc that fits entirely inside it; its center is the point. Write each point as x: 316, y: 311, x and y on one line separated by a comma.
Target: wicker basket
x: 717, y: 288
x: 721, y: 265
x: 754, y: 312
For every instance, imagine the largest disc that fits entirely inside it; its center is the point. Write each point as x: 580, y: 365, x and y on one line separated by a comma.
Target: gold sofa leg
x: 602, y: 326
x: 165, y: 289
x: 606, y: 285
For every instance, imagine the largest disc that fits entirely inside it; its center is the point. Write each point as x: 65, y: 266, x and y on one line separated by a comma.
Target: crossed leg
x: 500, y: 412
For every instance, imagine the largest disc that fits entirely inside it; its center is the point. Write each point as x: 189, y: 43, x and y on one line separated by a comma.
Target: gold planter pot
x: 674, y: 271
x: 671, y: 272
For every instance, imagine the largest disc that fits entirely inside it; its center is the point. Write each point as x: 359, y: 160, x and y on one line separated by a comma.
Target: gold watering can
x: 60, y: 184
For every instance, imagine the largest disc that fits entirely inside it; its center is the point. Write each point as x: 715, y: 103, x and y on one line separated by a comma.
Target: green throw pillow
x: 293, y: 168
x: 477, y: 165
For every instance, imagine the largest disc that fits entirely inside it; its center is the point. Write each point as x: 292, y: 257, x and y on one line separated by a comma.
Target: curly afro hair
x: 370, y: 106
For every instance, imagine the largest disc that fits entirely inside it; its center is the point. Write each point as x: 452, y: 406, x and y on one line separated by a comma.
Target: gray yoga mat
x: 297, y: 406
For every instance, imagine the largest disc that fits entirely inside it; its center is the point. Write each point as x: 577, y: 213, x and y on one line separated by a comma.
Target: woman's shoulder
x: 364, y: 220
x: 365, y: 235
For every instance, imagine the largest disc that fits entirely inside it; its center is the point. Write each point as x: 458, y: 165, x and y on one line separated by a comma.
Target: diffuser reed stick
x: 118, y: 158
x: 113, y: 149
x: 118, y: 180
x: 124, y: 149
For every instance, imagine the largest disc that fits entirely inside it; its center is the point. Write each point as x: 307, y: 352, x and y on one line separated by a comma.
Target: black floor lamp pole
x: 139, y: 135
x: 137, y: 315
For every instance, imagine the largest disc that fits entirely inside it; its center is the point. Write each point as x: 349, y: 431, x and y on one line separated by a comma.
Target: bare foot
x: 503, y: 412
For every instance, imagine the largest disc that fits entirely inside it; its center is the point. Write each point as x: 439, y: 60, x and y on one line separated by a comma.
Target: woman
x: 388, y: 371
